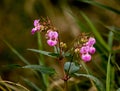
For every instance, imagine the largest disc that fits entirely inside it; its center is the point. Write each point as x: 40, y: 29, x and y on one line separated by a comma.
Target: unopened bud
x: 42, y: 27
x: 77, y: 50
x: 63, y: 45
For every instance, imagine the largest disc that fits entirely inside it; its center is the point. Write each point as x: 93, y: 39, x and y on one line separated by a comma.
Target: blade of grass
x: 96, y: 33
x: 109, y: 67
x: 16, y: 52
x: 108, y: 74
x: 101, y: 5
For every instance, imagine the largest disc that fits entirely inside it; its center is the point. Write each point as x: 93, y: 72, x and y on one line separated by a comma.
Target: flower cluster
x: 87, y: 49
x: 51, y: 35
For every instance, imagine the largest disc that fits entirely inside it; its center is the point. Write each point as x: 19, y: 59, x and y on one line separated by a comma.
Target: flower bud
x: 77, y: 50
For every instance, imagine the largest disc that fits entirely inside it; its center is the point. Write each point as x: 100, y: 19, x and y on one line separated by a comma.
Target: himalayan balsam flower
x: 86, y: 57
x: 36, y: 26
x: 84, y: 49
x: 52, y: 34
x: 51, y: 42
x: 92, y: 50
x: 52, y: 37
x: 87, y: 49
x: 91, y: 41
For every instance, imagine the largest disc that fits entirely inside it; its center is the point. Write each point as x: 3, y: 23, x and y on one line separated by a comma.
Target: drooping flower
x: 92, y: 50
x: 33, y: 30
x: 91, y: 41
x: 86, y: 57
x: 84, y: 49
x: 36, y: 26
x: 52, y: 37
x: 36, y: 23
x: 52, y: 42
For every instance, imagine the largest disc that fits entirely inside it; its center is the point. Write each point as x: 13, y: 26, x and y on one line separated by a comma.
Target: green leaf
x: 42, y: 69
x: 71, y: 67
x: 32, y: 85
x: 96, y: 80
x: 101, y: 5
x: 50, y: 54
x: 54, y: 54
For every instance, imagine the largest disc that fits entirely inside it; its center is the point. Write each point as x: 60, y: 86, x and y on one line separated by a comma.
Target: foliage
x: 67, y: 59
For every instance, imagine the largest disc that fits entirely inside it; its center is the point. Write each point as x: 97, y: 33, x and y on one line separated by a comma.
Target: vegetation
x: 60, y: 45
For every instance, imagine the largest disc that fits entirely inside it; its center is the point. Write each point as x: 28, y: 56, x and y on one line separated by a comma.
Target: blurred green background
x: 16, y: 22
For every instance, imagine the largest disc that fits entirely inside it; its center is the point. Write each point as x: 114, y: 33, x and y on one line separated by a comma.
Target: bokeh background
x: 16, y: 22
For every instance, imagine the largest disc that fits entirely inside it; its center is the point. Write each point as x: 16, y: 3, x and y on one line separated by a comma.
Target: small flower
x: 52, y: 37
x: 86, y: 57
x: 33, y: 30
x: 84, y: 49
x: 37, y: 26
x: 36, y: 23
x: 91, y: 41
x: 52, y: 34
x: 92, y: 50
x: 52, y: 42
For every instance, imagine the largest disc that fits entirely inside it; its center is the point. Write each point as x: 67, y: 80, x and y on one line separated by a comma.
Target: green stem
x: 108, y: 74
x: 65, y: 81
x: 41, y: 60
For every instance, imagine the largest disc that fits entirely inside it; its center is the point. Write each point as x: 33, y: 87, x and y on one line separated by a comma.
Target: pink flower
x: 91, y: 41
x: 84, y: 49
x: 33, y: 30
x: 52, y: 37
x: 87, y: 49
x: 36, y: 23
x: 36, y: 26
x: 92, y: 50
x: 86, y: 57
x: 52, y: 42
x: 52, y: 34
